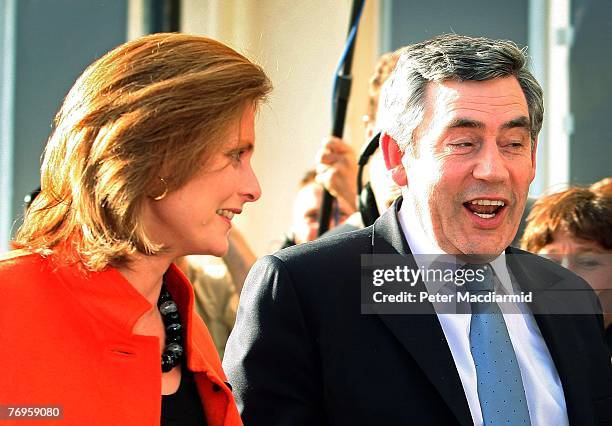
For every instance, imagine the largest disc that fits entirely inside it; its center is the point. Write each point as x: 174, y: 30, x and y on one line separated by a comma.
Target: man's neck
x: 416, y: 232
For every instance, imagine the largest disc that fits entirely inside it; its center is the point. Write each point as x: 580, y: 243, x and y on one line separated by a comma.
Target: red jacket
x: 66, y: 340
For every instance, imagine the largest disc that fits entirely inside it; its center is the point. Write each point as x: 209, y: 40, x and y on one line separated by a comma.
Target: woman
x: 574, y: 228
x: 149, y: 160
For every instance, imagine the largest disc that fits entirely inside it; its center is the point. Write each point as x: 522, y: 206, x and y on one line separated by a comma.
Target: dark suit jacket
x: 301, y: 352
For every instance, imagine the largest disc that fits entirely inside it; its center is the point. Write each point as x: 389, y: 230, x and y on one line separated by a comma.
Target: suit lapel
x: 421, y: 335
x: 558, y: 332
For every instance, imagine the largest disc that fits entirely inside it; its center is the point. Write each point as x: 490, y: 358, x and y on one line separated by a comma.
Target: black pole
x: 341, y: 97
x: 163, y: 16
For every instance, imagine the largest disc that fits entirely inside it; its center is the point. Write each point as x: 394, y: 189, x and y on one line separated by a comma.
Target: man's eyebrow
x: 520, y: 122
x: 517, y: 122
x: 465, y: 123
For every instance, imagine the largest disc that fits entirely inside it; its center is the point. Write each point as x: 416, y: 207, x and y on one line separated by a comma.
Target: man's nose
x: 250, y: 188
x: 490, y: 164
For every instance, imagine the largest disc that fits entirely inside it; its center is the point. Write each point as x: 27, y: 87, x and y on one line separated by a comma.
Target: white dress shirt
x: 543, y: 389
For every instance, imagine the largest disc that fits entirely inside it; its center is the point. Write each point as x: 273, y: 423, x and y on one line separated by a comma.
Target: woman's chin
x: 220, y: 249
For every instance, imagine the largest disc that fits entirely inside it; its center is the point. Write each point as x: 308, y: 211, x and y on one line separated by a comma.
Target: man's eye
x: 461, y: 144
x: 515, y: 144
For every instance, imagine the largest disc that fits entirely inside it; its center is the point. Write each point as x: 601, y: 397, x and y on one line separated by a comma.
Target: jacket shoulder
x: 307, y: 269
x: 333, y: 249
x: 20, y: 265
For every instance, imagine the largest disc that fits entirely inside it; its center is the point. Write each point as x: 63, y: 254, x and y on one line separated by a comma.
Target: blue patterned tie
x: 500, y: 387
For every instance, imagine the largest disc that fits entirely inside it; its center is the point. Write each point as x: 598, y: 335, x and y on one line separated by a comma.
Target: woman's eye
x: 239, y: 154
x: 236, y: 155
x: 587, y: 263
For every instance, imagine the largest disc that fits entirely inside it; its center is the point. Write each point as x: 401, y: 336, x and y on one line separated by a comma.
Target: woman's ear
x: 393, y: 159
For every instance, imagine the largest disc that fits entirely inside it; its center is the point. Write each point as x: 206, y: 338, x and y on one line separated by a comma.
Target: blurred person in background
x: 574, y: 229
x: 216, y: 297
x: 306, y: 209
x: 149, y: 160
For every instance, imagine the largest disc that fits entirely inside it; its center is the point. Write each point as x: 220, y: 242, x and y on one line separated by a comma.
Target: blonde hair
x: 152, y: 108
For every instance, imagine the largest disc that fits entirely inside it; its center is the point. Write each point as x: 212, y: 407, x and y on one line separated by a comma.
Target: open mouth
x: 485, y: 208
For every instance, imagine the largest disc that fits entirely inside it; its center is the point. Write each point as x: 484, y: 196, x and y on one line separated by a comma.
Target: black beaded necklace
x: 173, y: 351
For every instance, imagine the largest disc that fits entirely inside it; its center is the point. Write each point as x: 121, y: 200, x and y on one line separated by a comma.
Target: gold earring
x: 163, y: 194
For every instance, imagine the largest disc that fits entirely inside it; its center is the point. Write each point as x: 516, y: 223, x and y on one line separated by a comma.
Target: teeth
x: 488, y: 202
x: 228, y: 214
x: 484, y: 215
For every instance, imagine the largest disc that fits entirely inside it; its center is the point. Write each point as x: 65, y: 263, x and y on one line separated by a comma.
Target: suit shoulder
x: 336, y: 248
x: 313, y: 265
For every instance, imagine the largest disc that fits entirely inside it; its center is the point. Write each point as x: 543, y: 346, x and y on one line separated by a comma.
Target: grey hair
x: 451, y: 57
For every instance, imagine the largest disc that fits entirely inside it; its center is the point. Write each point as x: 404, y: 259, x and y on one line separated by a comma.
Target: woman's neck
x: 145, y: 274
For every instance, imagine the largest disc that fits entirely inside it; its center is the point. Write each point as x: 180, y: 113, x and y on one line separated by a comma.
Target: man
x: 459, y: 119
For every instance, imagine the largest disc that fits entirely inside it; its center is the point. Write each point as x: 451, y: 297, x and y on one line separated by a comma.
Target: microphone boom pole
x: 342, y: 90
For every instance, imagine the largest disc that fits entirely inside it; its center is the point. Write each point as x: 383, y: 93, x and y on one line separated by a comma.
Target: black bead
x: 167, y: 362
x: 164, y: 296
x: 174, y: 357
x: 167, y: 307
x: 173, y: 350
x: 172, y: 317
x: 174, y: 328
x: 173, y: 339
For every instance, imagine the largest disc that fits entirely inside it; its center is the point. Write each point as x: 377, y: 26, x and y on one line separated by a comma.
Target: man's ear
x: 393, y: 159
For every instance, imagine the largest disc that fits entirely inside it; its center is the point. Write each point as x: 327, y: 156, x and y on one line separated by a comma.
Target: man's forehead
x: 458, y: 98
